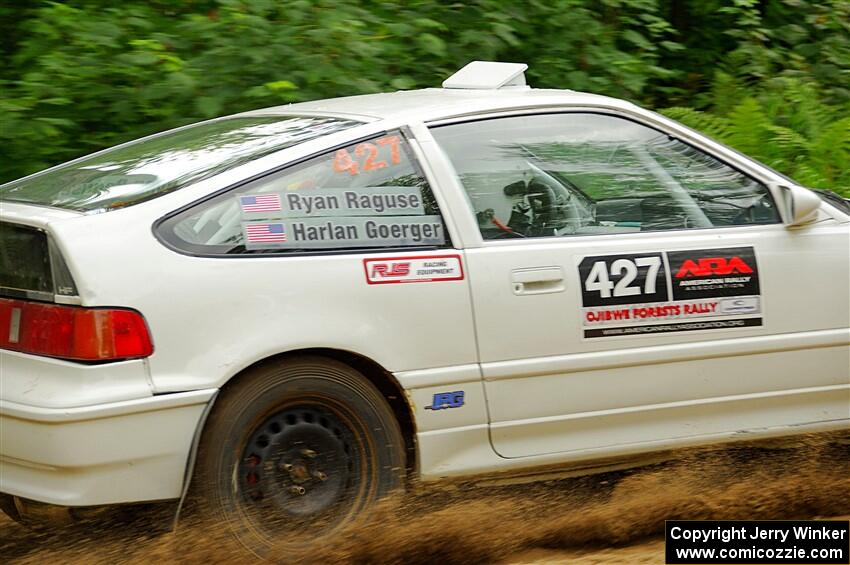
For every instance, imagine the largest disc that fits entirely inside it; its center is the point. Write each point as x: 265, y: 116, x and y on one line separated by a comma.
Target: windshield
x: 151, y: 167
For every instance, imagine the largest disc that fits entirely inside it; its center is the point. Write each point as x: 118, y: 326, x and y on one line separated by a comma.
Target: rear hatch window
x: 151, y: 167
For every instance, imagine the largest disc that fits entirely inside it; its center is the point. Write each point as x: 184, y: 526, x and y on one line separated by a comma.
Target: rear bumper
x: 116, y: 452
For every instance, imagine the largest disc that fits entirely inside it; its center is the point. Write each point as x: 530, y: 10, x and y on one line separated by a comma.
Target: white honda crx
x: 299, y: 308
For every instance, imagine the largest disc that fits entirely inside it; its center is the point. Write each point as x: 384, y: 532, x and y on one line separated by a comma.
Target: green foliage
x: 784, y: 124
x: 771, y: 78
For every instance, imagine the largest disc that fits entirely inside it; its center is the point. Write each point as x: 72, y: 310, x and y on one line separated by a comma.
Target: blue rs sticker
x: 444, y: 400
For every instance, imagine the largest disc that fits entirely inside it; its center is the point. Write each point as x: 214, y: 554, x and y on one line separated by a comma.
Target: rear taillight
x: 71, y: 332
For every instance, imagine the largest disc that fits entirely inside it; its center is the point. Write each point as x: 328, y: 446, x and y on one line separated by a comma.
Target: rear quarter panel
x: 212, y: 317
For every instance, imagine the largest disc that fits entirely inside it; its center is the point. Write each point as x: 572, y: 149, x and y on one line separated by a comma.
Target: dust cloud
x: 616, y: 517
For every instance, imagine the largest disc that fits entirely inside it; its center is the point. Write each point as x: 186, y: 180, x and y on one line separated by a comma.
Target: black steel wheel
x: 295, y: 451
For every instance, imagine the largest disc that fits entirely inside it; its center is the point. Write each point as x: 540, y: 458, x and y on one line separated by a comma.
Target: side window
x: 576, y: 174
x: 367, y: 195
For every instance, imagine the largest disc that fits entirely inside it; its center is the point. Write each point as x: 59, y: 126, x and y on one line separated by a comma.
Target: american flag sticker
x: 260, y: 203
x: 264, y: 233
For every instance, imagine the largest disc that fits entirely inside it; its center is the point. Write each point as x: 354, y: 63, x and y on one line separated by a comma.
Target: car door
x: 631, y: 290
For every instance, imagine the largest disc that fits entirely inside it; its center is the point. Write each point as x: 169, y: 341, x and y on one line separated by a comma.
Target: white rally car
x: 300, y: 308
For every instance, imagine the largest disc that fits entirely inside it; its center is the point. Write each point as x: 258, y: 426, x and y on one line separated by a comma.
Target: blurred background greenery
x: 769, y: 77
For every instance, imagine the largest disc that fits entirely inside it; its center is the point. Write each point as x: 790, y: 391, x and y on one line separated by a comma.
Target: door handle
x: 537, y: 280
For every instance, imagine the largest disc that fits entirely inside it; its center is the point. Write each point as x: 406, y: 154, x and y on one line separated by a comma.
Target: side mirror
x: 800, y: 205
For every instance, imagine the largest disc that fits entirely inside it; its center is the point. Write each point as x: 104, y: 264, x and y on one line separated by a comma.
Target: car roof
x: 432, y: 104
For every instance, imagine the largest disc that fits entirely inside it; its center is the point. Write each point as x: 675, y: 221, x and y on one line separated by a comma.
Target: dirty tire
x: 294, y: 452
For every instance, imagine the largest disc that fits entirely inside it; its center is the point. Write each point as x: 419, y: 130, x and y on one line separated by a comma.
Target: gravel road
x: 609, y: 518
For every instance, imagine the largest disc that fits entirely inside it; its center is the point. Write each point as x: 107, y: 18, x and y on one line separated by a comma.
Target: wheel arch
x: 380, y: 377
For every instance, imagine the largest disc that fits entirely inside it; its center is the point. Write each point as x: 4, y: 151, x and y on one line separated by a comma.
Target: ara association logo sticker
x: 432, y: 268
x: 444, y: 400
x: 714, y: 273
x: 708, y: 266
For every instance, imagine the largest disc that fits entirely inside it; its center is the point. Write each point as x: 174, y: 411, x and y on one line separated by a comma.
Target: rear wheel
x: 294, y: 452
